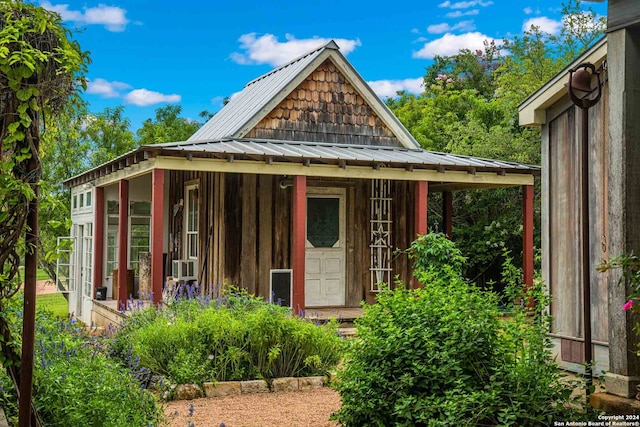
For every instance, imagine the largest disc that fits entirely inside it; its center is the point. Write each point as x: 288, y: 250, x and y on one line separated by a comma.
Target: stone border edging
x: 234, y: 388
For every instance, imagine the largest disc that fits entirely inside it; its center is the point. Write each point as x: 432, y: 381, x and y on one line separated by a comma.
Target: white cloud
x: 112, y: 17
x: 144, y: 97
x: 446, y: 28
x: 105, y: 88
x: 450, y: 44
x: 267, y: 49
x: 465, y: 4
x: 389, y: 88
x: 458, y: 13
x: 545, y: 24
x: 528, y: 11
x: 415, y: 31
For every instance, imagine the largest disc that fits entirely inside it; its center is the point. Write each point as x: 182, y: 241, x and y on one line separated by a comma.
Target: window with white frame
x: 88, y: 198
x: 191, y: 221
x: 87, y: 262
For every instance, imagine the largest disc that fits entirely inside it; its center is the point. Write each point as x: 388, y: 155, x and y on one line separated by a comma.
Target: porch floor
x: 341, y: 314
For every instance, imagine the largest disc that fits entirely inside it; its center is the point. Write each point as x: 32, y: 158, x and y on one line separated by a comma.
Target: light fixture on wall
x: 286, y: 183
x: 584, y: 96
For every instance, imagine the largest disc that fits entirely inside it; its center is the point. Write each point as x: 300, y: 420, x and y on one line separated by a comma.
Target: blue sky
x: 147, y: 53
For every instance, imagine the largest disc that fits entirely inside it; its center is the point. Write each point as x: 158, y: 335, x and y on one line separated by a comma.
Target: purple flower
x: 627, y: 305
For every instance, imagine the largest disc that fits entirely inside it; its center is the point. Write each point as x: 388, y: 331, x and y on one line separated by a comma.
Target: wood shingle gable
x: 325, y: 107
x: 318, y: 97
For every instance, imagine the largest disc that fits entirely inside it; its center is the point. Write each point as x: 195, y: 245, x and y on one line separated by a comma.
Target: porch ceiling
x: 314, y: 159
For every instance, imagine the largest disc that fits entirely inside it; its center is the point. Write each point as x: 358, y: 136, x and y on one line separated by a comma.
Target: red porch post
x: 527, y: 236
x: 299, y: 240
x: 98, y: 239
x: 123, y: 241
x: 157, y: 232
x: 420, y: 216
x: 447, y: 213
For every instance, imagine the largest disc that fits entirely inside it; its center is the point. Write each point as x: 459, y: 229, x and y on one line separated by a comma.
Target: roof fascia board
x: 532, y: 111
x: 284, y: 92
x: 355, y: 172
x: 374, y: 101
x: 129, y: 172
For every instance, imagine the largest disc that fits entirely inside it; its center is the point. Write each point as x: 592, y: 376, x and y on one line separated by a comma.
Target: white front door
x: 325, y: 252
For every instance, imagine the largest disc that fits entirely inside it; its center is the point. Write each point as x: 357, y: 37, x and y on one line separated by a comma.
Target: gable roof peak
x: 329, y: 45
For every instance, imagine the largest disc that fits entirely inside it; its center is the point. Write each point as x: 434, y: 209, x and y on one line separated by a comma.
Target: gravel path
x: 309, y: 408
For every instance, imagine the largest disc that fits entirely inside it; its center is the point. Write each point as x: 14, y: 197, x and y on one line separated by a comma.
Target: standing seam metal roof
x: 341, y: 152
x: 253, y: 98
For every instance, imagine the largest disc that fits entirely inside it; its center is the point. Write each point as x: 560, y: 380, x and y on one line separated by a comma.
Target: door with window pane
x: 325, y: 251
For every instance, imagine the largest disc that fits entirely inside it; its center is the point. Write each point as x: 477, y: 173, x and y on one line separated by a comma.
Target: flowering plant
x: 630, y: 266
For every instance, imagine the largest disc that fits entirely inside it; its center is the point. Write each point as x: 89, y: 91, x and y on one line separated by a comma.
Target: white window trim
x: 187, y: 253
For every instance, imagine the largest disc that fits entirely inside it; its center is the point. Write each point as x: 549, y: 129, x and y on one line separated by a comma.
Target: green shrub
x: 235, y: 337
x: 441, y: 356
x: 76, y: 384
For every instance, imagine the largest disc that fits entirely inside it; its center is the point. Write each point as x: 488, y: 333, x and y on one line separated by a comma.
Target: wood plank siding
x: 563, y: 260
x: 622, y: 13
x: 245, y: 227
x: 325, y: 107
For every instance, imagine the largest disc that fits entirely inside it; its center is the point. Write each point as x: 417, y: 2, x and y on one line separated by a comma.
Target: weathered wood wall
x: 562, y: 222
x: 622, y: 13
x: 325, y: 108
x: 251, y: 233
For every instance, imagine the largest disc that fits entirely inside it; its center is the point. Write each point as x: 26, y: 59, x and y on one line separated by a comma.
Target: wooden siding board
x: 249, y: 237
x: 233, y: 228
x: 562, y: 225
x: 622, y: 13
x: 265, y: 227
x: 282, y: 225
x: 353, y: 288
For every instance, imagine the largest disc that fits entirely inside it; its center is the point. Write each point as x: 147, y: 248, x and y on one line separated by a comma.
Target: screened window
x: 81, y: 200
x: 75, y: 201
x: 88, y: 198
x: 191, y: 220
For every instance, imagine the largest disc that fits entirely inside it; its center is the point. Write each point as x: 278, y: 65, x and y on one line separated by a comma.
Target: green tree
x: 469, y: 107
x: 167, y: 126
x: 41, y: 71
x: 63, y: 153
x: 107, y: 134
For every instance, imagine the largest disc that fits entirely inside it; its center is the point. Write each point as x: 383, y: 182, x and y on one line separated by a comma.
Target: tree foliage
x: 470, y: 107
x: 168, y: 126
x: 41, y: 70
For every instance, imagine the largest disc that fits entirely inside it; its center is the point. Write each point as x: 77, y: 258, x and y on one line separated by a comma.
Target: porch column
x: 527, y: 236
x: 420, y: 216
x: 299, y: 240
x: 157, y: 233
x: 123, y: 241
x: 98, y: 239
x: 447, y: 213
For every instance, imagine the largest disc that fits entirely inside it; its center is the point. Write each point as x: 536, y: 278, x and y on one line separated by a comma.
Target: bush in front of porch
x: 75, y: 382
x: 235, y: 337
x: 440, y: 355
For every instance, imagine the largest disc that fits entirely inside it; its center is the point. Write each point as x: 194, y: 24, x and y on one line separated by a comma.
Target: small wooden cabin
x: 561, y: 122
x: 304, y: 180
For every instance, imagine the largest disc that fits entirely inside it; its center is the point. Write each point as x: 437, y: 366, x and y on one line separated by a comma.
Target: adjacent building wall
x: 561, y: 222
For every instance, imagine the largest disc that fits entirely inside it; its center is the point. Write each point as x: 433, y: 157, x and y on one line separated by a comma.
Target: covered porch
x: 333, y: 219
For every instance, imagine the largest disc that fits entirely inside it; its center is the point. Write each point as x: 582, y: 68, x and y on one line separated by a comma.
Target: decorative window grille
x: 380, y: 234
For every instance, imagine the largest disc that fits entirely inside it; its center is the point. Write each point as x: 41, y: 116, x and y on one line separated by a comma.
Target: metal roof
x: 254, y: 149
x: 253, y: 98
